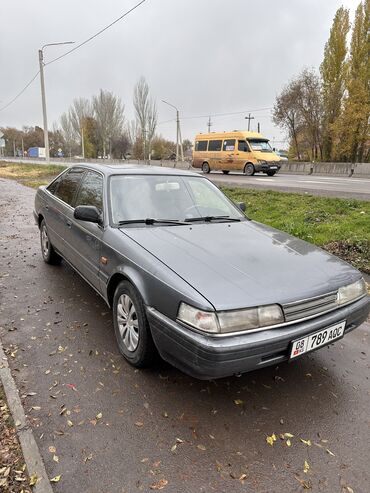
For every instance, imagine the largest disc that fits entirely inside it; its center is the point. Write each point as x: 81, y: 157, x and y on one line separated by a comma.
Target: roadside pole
x: 44, y: 114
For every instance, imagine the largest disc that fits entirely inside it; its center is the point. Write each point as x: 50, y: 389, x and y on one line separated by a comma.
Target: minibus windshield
x: 260, y: 145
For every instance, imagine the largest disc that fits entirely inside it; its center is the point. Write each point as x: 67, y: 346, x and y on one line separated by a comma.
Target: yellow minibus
x: 249, y: 152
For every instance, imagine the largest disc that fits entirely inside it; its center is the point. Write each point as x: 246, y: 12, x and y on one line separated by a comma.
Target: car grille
x: 311, y: 307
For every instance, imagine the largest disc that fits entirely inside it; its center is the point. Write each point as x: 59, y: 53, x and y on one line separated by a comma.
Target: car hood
x: 236, y: 265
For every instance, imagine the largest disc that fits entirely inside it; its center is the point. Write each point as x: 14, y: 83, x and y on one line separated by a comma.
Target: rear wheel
x: 249, y: 169
x: 131, y: 326
x: 271, y: 173
x: 225, y: 171
x: 49, y: 255
x: 206, y: 168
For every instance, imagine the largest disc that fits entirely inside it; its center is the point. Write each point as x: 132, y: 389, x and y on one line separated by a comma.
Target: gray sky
x: 204, y: 56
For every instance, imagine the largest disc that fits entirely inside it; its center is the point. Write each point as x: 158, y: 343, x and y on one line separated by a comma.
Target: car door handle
x: 69, y: 224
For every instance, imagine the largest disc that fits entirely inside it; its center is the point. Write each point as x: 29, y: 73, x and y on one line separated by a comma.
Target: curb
x: 31, y: 453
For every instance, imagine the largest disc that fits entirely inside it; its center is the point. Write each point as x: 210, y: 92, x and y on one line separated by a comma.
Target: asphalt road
x: 108, y: 428
x: 330, y: 186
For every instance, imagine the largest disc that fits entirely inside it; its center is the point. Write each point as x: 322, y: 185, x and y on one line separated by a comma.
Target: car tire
x: 131, y: 326
x: 205, y: 168
x: 249, y: 169
x: 49, y: 255
x: 225, y: 171
x: 271, y: 173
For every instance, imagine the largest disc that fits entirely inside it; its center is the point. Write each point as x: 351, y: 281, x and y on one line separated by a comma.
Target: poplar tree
x: 333, y: 73
x: 352, y: 126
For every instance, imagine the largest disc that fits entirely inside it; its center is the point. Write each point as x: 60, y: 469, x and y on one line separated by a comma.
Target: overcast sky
x: 204, y: 56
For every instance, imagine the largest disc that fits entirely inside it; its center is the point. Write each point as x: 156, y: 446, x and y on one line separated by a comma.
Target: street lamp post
x: 43, y: 96
x: 178, y: 133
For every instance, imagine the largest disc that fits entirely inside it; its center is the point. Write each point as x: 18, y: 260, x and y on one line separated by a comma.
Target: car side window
x: 228, y: 145
x: 69, y: 184
x: 91, y: 191
x: 243, y: 146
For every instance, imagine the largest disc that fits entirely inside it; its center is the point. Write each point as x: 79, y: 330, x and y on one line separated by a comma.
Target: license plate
x: 318, y: 339
x: 273, y: 167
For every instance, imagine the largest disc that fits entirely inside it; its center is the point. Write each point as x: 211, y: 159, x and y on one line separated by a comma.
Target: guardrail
x: 360, y: 170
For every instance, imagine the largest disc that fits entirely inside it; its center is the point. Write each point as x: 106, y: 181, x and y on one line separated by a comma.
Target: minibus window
x: 228, y: 145
x: 243, y: 146
x: 201, y: 145
x: 215, y: 145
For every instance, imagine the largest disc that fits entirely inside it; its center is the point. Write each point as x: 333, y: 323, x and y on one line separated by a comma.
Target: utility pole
x: 249, y: 118
x: 178, y: 133
x: 82, y: 142
x: 14, y: 148
x: 209, y: 124
x: 258, y: 127
x: 44, y: 113
x: 22, y: 148
x: 43, y: 97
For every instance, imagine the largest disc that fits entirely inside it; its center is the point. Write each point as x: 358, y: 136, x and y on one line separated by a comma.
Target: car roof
x: 133, y: 169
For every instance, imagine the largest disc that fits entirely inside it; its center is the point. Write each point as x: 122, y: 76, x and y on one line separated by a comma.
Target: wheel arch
x: 40, y: 218
x: 122, y: 275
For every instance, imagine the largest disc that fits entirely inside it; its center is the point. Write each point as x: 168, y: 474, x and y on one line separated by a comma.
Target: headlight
x: 231, y: 321
x: 351, y: 292
x: 252, y: 318
x: 262, y: 161
x: 198, y: 319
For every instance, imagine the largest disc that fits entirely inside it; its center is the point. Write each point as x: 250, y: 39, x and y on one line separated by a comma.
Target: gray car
x: 189, y: 276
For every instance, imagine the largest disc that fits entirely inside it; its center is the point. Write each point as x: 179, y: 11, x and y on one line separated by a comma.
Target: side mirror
x: 88, y: 213
x: 241, y: 206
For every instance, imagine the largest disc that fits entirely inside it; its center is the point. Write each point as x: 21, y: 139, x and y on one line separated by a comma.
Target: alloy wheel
x: 128, y: 323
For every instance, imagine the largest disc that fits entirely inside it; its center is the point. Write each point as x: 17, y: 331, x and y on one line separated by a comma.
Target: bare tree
x: 108, y: 113
x: 67, y: 132
x: 146, y: 113
x: 79, y: 111
x: 286, y: 113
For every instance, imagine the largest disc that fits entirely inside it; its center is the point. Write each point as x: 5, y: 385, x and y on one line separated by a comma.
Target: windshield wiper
x: 150, y: 221
x: 208, y: 219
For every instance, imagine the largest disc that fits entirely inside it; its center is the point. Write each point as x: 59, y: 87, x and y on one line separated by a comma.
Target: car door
x: 86, y: 238
x: 227, y: 161
x: 59, y: 210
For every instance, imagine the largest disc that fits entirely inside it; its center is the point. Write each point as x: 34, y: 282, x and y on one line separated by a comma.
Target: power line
x: 20, y: 93
x: 96, y: 34
x: 70, y: 51
x: 225, y: 114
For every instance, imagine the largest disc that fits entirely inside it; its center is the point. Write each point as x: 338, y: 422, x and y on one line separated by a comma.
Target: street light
x: 178, y: 132
x: 44, y: 114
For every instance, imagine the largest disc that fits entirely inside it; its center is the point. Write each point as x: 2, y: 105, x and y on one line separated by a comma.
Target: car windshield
x: 176, y: 198
x: 260, y: 145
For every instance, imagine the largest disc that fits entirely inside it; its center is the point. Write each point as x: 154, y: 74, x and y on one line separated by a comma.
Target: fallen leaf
x: 288, y: 435
x: 55, y: 458
x: 56, y: 479
x: 201, y: 447
x: 69, y: 423
x: 159, y: 485
x: 271, y: 439
x: 33, y: 480
x: 306, y: 442
x: 289, y: 443
x: 139, y: 424
x: 238, y: 402
x: 52, y: 449
x: 306, y: 467
x: 330, y: 452
x: 99, y: 416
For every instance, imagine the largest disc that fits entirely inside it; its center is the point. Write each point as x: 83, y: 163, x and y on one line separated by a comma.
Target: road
x: 331, y: 186
x: 108, y: 428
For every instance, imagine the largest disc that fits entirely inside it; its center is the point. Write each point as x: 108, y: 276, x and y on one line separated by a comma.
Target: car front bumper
x: 267, y: 166
x: 207, y: 357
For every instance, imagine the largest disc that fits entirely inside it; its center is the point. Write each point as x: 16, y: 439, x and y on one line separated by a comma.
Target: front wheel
x: 249, y: 169
x: 131, y: 326
x: 271, y: 173
x: 49, y: 255
x: 206, y: 168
